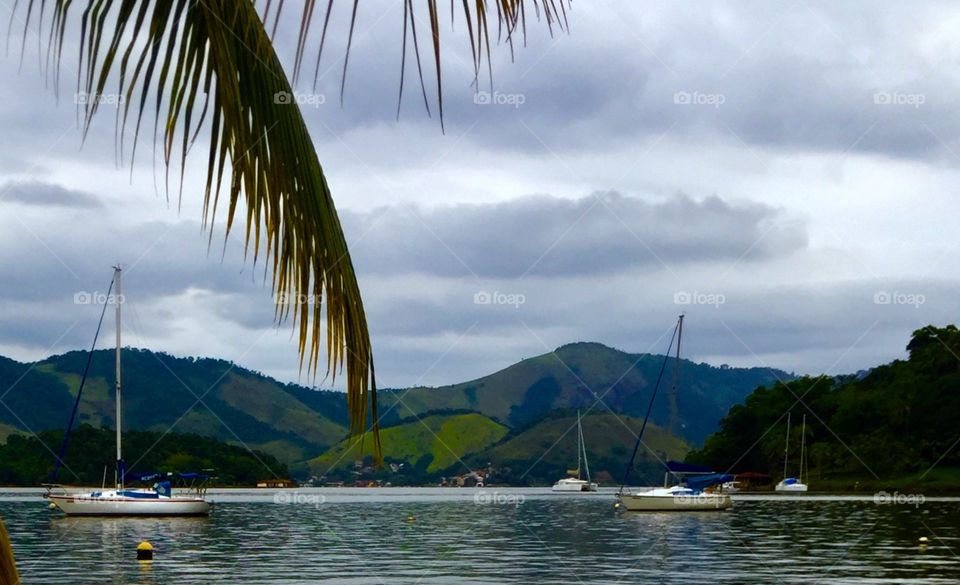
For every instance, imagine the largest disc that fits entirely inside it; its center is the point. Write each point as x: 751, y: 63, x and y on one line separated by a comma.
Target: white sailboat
x: 793, y: 484
x: 575, y: 484
x: 695, y: 490
x: 123, y: 501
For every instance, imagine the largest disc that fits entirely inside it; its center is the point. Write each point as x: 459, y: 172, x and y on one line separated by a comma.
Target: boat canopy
x: 700, y: 482
x: 789, y: 481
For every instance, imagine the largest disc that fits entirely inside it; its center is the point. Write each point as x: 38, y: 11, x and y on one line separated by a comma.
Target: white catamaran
x: 123, y: 501
x: 699, y: 488
x: 575, y: 484
x: 794, y: 484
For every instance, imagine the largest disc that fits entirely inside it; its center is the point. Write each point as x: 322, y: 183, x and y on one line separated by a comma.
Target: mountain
x: 541, y: 453
x: 432, y: 443
x: 300, y: 426
x: 893, y: 427
x: 26, y: 460
x: 452, y: 444
x: 575, y: 375
x: 185, y: 395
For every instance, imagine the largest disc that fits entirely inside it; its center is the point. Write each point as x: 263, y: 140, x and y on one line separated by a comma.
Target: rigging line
x: 636, y: 445
x: 76, y: 403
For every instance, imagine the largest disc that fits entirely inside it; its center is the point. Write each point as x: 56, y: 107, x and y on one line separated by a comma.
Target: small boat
x: 696, y: 489
x: 793, y: 484
x: 575, y: 484
x: 730, y: 486
x: 674, y: 499
x: 123, y: 501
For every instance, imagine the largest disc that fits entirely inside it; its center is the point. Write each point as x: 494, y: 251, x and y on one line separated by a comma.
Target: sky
x: 783, y: 173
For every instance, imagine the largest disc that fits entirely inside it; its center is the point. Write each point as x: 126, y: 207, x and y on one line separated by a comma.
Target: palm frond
x: 211, y: 64
x: 511, y: 17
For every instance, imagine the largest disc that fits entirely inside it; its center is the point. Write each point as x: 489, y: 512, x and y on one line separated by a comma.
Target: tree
x: 211, y: 64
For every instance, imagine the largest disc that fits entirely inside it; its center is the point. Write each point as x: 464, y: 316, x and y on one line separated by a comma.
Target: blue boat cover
x: 163, y: 488
x: 700, y: 482
x: 789, y: 481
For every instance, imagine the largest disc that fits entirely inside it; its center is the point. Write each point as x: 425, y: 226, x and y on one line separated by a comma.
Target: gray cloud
x: 550, y: 236
x: 45, y: 194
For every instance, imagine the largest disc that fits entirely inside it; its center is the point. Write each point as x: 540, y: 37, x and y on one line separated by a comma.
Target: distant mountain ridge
x: 591, y: 375
x: 296, y: 424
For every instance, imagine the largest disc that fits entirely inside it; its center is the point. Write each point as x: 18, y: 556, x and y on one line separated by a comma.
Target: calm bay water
x: 446, y: 536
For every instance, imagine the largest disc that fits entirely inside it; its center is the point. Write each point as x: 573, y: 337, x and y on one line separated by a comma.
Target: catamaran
x: 575, y: 484
x: 124, y: 501
x: 793, y: 484
x: 697, y: 488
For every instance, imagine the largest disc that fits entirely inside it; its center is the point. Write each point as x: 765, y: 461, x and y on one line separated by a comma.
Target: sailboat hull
x: 87, y: 505
x: 574, y: 486
x: 666, y: 503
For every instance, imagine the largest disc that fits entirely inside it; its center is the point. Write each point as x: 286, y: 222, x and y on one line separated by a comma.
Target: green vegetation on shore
x: 894, y: 428
x: 29, y: 460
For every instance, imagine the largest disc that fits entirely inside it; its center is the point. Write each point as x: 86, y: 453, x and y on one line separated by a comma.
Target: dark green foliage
x: 28, y: 461
x: 899, y: 419
x: 536, y: 401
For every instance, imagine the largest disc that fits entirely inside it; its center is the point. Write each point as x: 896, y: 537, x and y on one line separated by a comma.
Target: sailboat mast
x: 579, y: 443
x: 803, y: 444
x: 117, y: 301
x: 786, y: 448
x: 583, y: 447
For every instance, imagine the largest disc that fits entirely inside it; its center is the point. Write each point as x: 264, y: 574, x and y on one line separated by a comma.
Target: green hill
x: 575, y: 375
x: 430, y: 444
x: 542, y: 453
x: 895, y: 427
x: 298, y: 425
x: 27, y: 460
x: 203, y: 396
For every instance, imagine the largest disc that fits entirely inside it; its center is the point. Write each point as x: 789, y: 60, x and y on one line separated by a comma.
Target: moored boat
x: 123, y: 501
x: 574, y: 483
x: 698, y: 488
x: 793, y: 484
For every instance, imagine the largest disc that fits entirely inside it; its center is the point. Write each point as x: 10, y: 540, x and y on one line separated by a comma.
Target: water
x: 445, y: 536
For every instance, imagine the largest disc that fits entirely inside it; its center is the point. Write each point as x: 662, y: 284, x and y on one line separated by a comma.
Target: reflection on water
x: 517, y: 536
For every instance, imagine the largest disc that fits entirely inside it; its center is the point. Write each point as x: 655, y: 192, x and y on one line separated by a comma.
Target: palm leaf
x: 211, y: 64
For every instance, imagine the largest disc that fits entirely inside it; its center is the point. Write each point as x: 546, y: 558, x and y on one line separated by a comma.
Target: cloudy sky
x: 785, y: 173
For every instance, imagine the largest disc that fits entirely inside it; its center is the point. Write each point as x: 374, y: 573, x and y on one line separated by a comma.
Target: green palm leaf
x: 211, y: 64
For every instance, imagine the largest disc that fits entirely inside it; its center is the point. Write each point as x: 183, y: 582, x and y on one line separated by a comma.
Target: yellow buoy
x: 411, y: 518
x: 144, y: 551
x: 924, y: 540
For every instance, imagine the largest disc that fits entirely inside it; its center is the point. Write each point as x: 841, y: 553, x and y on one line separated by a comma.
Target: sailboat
x: 793, y: 484
x: 575, y: 484
x: 696, y: 488
x: 124, y: 501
